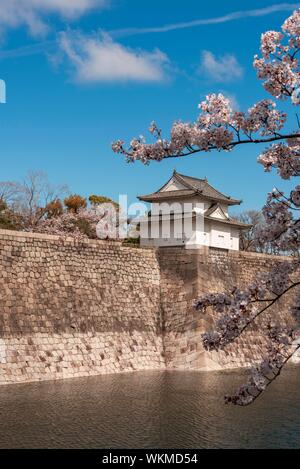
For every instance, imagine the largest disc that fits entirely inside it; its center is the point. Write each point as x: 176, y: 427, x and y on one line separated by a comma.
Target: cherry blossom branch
x: 192, y: 150
x: 220, y: 128
x: 271, y: 303
x: 163, y: 149
x: 213, y: 130
x: 238, y: 308
x: 261, y: 378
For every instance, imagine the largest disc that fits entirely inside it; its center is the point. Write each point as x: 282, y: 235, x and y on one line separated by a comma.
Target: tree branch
x: 275, y: 138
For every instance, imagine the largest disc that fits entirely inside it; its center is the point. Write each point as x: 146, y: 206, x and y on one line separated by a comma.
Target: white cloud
x: 220, y: 69
x: 100, y: 59
x: 15, y: 13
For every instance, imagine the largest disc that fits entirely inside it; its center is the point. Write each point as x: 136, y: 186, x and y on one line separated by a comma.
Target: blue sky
x: 83, y: 73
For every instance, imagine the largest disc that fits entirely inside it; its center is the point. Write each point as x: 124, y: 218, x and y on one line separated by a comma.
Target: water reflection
x: 149, y: 409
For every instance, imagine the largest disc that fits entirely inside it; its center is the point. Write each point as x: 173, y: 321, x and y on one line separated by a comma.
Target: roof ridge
x: 206, y: 182
x: 191, y: 177
x: 182, y: 178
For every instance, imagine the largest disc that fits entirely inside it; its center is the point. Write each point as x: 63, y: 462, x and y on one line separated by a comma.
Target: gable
x: 218, y: 213
x: 172, y: 185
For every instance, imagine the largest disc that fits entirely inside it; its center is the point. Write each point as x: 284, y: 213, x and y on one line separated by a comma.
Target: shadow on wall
x: 186, y: 274
x: 72, y: 309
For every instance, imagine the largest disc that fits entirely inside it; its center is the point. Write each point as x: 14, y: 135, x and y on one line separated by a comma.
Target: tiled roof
x: 194, y: 186
x: 167, y: 195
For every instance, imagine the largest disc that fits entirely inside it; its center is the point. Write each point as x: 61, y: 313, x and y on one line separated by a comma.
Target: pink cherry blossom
x: 70, y: 224
x: 291, y: 26
x: 218, y: 127
x: 295, y: 196
x: 284, y: 157
x: 270, y: 42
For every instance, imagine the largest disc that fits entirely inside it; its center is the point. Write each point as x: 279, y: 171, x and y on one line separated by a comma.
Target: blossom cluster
x: 263, y: 374
x: 278, y: 66
x: 217, y: 127
x: 238, y: 308
x: 279, y: 69
x: 281, y: 228
x: 80, y: 226
x: 220, y: 127
x: 283, y: 156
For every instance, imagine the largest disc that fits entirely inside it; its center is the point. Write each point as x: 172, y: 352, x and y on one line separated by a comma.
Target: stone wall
x: 185, y: 274
x: 72, y: 309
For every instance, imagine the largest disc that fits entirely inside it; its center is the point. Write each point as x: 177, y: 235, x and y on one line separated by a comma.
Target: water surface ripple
x: 173, y: 409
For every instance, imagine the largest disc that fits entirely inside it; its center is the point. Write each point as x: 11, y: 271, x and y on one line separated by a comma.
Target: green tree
x: 8, y: 219
x: 101, y: 199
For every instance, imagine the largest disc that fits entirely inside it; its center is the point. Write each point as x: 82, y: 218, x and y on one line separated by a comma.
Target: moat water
x: 149, y: 409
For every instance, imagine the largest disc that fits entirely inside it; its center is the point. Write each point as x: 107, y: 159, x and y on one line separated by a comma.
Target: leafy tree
x: 101, y: 199
x: 219, y: 127
x: 75, y: 202
x: 8, y: 219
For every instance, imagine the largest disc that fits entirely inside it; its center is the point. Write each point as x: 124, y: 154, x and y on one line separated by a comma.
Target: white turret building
x: 188, y: 211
